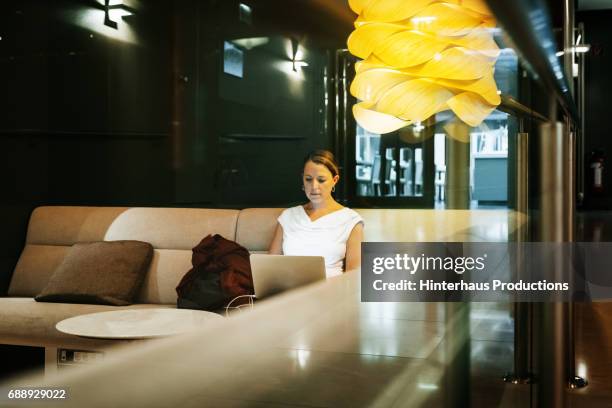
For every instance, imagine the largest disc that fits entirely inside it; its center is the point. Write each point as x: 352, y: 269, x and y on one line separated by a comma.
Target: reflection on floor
x: 385, y: 355
x: 403, y: 355
x: 594, y: 325
x: 594, y: 354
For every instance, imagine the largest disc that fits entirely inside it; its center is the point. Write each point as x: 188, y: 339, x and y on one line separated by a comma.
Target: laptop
x: 277, y: 273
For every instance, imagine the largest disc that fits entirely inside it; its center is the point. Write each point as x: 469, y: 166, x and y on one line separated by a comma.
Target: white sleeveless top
x: 326, y: 236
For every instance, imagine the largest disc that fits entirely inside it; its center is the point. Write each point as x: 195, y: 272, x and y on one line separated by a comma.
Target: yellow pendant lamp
x: 420, y: 57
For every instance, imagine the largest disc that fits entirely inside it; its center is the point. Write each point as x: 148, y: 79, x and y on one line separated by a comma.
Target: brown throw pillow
x: 107, y: 273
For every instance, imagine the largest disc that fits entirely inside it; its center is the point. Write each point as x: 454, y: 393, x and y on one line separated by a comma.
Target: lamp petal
x: 408, y: 48
x: 370, y: 63
x: 470, y: 108
x: 358, y: 5
x: 485, y: 87
x: 393, y: 10
x: 376, y: 122
x: 370, y: 85
x: 458, y: 130
x: 454, y: 63
x: 368, y: 36
x: 481, y: 40
x: 444, y: 19
x: 414, y: 100
x: 478, y: 6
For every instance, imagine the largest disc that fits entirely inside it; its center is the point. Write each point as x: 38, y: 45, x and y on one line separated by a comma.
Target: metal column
x: 569, y: 160
x: 457, y: 314
x: 457, y: 186
x: 522, y: 311
x: 555, y: 225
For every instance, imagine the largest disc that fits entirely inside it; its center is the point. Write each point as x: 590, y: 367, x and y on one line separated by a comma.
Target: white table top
x: 136, y: 323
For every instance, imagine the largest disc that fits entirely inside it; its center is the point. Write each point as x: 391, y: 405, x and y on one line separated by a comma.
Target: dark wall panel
x: 598, y: 88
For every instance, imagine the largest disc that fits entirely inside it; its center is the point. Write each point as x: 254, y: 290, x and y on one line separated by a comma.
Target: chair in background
x: 440, y: 181
x: 390, y: 173
x: 405, y: 163
x: 375, y: 180
x: 363, y: 175
x: 418, y: 178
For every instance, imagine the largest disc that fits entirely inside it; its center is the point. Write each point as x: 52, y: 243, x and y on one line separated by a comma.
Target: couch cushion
x: 172, y: 228
x: 63, y: 225
x: 109, y: 273
x: 167, y: 268
x: 25, y: 321
x: 169, y: 228
x: 256, y: 228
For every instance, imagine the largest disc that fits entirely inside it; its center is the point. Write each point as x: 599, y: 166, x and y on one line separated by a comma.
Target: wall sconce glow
x: 420, y: 58
x: 582, y: 370
x: 245, y: 13
x: 93, y: 20
x: 429, y: 387
x: 287, y: 68
x: 297, y: 55
x: 251, y: 42
x: 299, y: 64
x: 114, y: 10
x: 580, y: 49
x: 302, y: 358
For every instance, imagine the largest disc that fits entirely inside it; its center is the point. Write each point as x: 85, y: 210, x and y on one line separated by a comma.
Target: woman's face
x: 318, y: 182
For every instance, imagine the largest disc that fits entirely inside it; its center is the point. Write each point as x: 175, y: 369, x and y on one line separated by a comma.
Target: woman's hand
x: 276, y: 246
x: 353, y: 248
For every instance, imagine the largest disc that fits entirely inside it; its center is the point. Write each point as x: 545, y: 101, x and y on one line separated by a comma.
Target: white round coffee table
x: 136, y: 323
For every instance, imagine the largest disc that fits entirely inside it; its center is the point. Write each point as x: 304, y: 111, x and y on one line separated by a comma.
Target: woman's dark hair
x: 324, y: 157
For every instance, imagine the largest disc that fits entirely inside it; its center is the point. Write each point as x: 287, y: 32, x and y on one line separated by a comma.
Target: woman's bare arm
x: 276, y: 246
x: 353, y: 248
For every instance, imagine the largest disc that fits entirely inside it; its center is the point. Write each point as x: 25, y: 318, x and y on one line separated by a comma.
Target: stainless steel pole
x: 568, y: 42
x: 457, y: 314
x: 522, y: 311
x: 457, y: 186
x: 569, y: 163
x: 553, y: 227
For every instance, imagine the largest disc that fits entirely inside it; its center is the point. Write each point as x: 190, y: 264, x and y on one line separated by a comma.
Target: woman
x: 322, y: 226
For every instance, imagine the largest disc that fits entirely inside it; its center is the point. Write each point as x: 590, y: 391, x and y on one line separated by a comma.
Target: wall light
x: 429, y: 387
x: 113, y: 10
x: 245, y: 13
x: 295, y: 55
x: 251, y: 42
x: 92, y: 19
x: 580, y: 49
x: 420, y: 58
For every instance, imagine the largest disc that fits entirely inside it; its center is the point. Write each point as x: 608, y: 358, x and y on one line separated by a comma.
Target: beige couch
x: 173, y: 232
